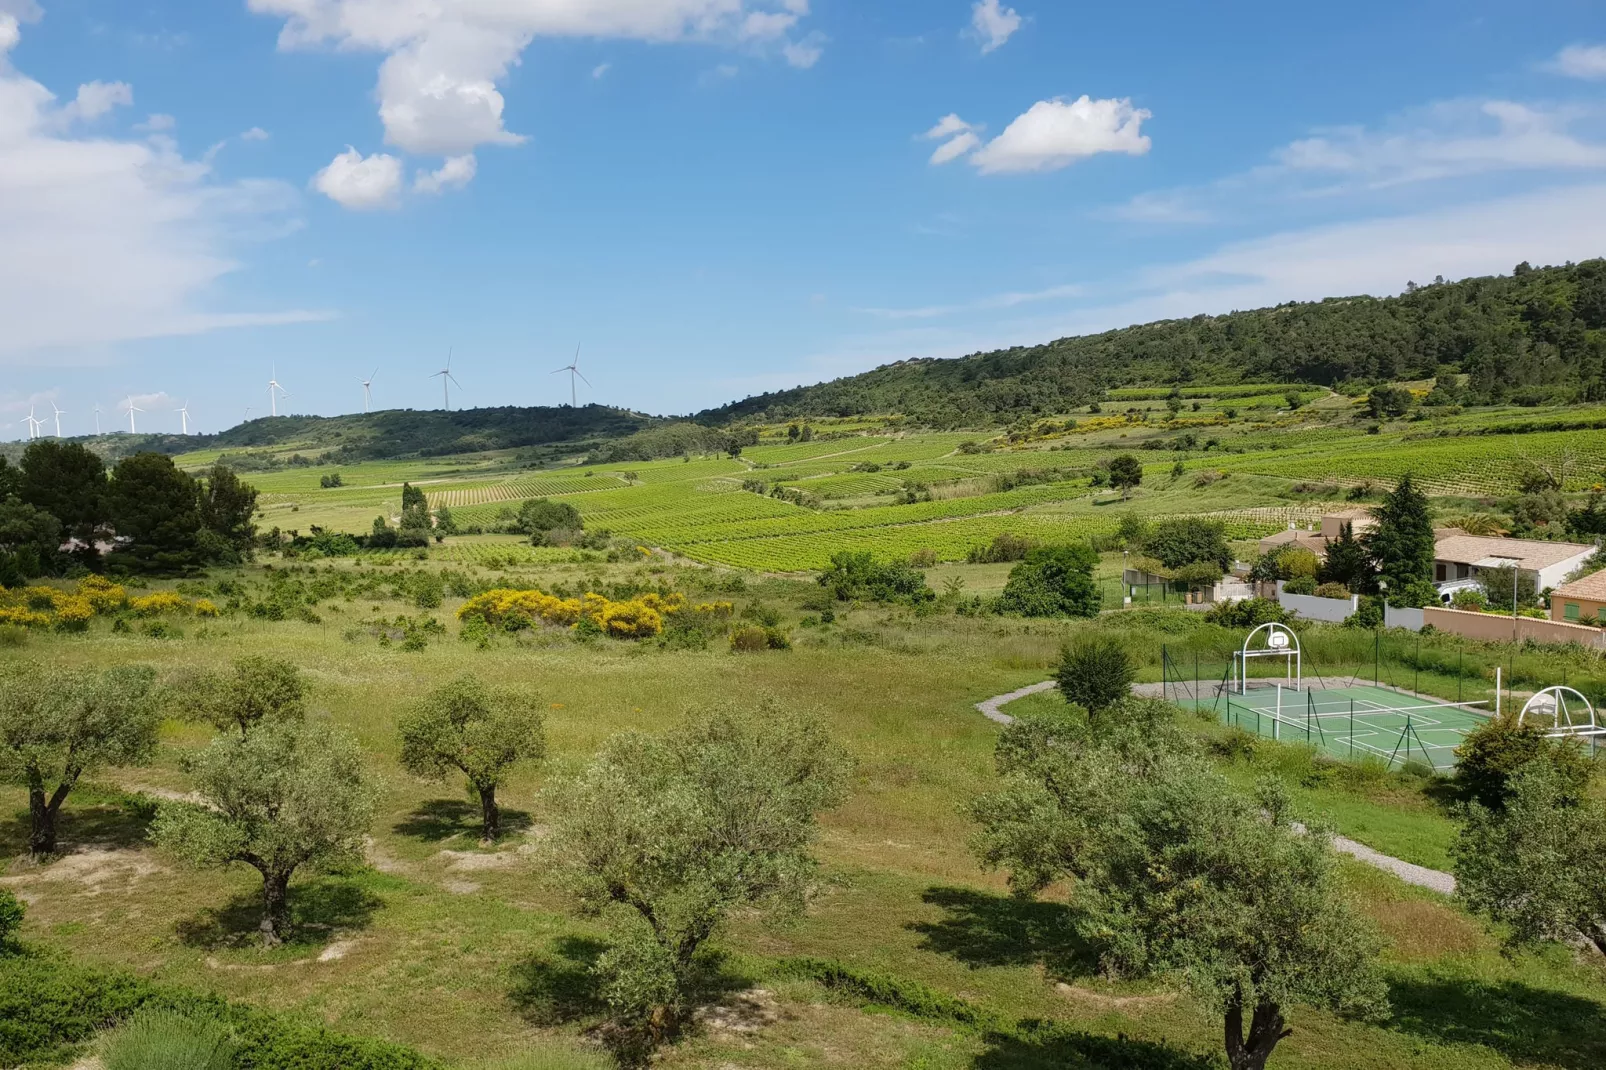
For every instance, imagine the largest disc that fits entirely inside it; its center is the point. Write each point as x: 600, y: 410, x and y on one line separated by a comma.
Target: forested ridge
x: 1538, y: 334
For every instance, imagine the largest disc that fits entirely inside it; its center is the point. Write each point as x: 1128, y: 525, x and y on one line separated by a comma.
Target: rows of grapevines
x: 803, y: 451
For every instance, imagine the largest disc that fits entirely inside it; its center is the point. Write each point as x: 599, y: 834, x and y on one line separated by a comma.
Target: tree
x: 56, y: 725
x: 465, y: 726
x: 1402, y: 545
x: 28, y: 538
x: 1499, y: 748
x: 860, y: 576
x: 1194, y: 883
x: 1538, y: 864
x: 1388, y: 401
x: 288, y: 795
x: 1189, y: 541
x: 445, y: 523
x: 667, y: 835
x: 413, y: 498
x: 382, y: 536
x: 227, y: 504
x: 157, y: 507
x: 255, y: 689
x: 68, y: 481
x: 538, y: 516
x: 1347, y: 562
x: 1126, y: 472
x: 1095, y: 672
x: 10, y: 479
x: 1501, y: 584
x: 1053, y: 581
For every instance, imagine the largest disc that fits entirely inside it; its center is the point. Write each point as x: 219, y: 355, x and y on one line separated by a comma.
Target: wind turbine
x: 132, y: 409
x: 573, y: 368
x: 273, y: 385
x: 367, y: 395
x: 33, y: 425
x: 184, y: 417
x: 59, y: 415
x: 446, y: 377
x: 97, y: 417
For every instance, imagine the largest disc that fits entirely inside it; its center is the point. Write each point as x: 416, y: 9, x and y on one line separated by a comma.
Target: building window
x: 1569, y: 611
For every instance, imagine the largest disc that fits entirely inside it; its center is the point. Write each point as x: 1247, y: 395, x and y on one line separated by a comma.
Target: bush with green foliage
x: 1053, y: 581
x: 1331, y: 590
x: 1189, y: 541
x: 1248, y: 613
x: 1386, y: 402
x: 256, y: 688
x: 1368, y: 613
x: 159, y: 1039
x: 1006, y: 546
x: 1497, y: 749
x: 1095, y: 672
x: 1300, y: 585
x: 483, y: 734
x: 1538, y: 863
x: 11, y: 915
x: 1125, y: 473
x: 860, y: 576
x: 50, y: 1008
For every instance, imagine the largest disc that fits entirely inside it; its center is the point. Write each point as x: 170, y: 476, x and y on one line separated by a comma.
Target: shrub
x: 1004, y: 547
x: 1492, y: 753
x: 1095, y: 672
x: 515, y: 610
x: 1332, y: 590
x: 1470, y: 599
x: 157, y: 603
x: 1247, y: 613
x: 1368, y: 613
x: 11, y: 913
x: 923, y: 558
x: 754, y: 639
x: 158, y: 1039
x: 1300, y: 585
x: 1054, y: 581
x: 860, y: 575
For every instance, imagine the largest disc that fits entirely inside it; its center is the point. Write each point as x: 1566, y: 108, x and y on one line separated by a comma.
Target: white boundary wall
x: 1309, y: 607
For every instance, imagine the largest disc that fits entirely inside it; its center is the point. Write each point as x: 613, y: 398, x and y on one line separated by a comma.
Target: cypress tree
x: 1402, y: 545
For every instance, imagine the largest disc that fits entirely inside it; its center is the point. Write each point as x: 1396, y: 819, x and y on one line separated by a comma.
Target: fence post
x: 1352, y: 728
x: 1377, y: 654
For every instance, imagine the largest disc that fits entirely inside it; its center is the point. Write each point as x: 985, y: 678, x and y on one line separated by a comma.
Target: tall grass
x: 167, y: 1040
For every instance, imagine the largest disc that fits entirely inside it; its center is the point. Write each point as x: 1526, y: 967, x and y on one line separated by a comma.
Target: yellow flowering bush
x: 514, y: 610
x: 104, y: 595
x: 159, y: 602
x: 73, y: 613
x: 204, y: 607
x: 22, y: 615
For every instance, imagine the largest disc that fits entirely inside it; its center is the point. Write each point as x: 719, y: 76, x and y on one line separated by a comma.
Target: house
x: 1459, y: 560
x: 1579, y: 602
x: 1316, y: 540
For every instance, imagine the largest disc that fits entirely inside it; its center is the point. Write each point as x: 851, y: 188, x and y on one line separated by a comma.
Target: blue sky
x: 718, y: 197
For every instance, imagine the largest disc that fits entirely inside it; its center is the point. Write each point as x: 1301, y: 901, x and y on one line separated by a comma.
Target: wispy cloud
x: 1580, y: 61
x: 992, y: 24
x: 992, y: 302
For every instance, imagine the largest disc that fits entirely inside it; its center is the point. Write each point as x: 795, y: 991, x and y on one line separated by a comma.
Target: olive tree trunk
x: 42, y: 812
x: 275, y: 908
x: 490, y: 814
x: 1266, y: 1028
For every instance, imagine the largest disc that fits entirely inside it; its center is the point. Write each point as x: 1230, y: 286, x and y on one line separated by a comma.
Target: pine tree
x: 1347, y: 562
x: 1402, y: 544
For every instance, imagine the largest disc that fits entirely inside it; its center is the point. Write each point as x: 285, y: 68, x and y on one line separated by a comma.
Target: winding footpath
x: 1410, y: 873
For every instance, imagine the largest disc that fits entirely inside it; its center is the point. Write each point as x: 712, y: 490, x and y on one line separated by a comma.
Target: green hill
x: 1535, y: 336
x: 392, y: 433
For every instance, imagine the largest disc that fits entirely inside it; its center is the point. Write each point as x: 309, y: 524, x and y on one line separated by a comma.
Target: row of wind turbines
x: 277, y: 393
x: 35, y: 424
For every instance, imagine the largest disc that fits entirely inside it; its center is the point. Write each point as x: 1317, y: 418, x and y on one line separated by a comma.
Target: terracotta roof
x: 1592, y: 587
x: 1529, y: 553
x: 1306, y: 540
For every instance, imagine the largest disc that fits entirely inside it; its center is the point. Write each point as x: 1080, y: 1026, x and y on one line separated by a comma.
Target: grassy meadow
x: 468, y: 953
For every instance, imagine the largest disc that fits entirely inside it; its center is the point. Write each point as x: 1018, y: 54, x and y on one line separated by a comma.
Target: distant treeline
x: 1535, y: 336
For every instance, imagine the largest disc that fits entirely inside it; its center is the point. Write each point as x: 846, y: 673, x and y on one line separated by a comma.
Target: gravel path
x: 1410, y: 873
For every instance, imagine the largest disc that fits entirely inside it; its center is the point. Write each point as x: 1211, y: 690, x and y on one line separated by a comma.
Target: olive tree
x: 287, y: 795
x: 1538, y: 863
x: 55, y: 725
x: 253, y: 690
x: 1192, y: 882
x: 482, y: 734
x: 667, y: 835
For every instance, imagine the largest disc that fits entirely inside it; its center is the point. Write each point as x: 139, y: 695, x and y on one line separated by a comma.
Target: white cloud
x: 1580, y: 61
x: 455, y: 173
x: 1056, y: 133
x: 1446, y: 140
x: 445, y: 59
x: 95, y: 99
x: 601, y: 69
x: 992, y: 302
x: 958, y: 137
x: 256, y: 133
x: 159, y: 400
x: 157, y: 123
x: 104, y: 240
x: 992, y: 24
x: 1162, y: 207
x: 360, y: 182
x: 806, y: 53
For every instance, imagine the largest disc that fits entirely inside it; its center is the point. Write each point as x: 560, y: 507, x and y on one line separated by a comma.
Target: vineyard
x: 1244, y: 456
